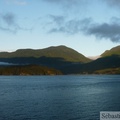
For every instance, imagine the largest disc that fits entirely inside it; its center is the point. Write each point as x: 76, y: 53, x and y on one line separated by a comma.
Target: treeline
x: 28, y: 70
x: 105, y: 65
x: 56, y: 66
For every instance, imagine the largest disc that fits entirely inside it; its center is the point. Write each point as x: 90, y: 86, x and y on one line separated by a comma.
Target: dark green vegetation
x: 111, y: 63
x: 28, y: 70
x: 63, y: 60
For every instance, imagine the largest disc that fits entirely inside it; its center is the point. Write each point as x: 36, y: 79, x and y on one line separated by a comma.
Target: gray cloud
x: 8, y: 23
x: 77, y: 4
x: 113, y: 3
x: 9, y: 18
x: 109, y: 30
x: 61, y: 24
x: 4, y: 29
x: 57, y: 19
x: 69, y: 27
x: 68, y: 3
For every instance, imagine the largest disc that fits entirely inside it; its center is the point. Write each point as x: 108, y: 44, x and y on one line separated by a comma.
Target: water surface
x: 58, y: 97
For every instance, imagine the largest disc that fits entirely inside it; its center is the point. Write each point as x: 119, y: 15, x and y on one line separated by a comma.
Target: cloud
x: 57, y: 19
x: 9, y: 18
x: 17, y: 2
x: 8, y: 23
x: 113, y: 3
x: 60, y: 24
x: 69, y: 27
x: 109, y: 31
x: 68, y: 3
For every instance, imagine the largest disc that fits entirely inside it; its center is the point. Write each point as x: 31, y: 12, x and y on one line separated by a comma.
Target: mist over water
x: 4, y: 63
x: 58, y: 97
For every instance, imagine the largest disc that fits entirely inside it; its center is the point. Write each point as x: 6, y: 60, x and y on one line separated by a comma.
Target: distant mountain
x: 105, y: 65
x: 113, y: 51
x: 94, y: 57
x: 63, y: 52
x: 108, y: 63
x: 62, y: 59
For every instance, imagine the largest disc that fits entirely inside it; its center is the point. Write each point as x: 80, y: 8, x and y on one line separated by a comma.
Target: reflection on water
x: 58, y: 97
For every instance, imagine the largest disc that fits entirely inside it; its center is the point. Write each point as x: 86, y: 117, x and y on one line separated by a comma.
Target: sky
x: 88, y: 26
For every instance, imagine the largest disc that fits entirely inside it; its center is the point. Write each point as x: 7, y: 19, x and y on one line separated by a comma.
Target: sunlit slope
x: 113, y: 51
x: 63, y: 52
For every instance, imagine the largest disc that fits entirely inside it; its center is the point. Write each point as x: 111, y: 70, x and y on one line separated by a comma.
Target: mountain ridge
x: 63, y: 59
x: 112, y: 51
x: 68, y: 54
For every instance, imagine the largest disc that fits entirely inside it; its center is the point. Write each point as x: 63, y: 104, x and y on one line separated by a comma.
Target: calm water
x: 58, y: 97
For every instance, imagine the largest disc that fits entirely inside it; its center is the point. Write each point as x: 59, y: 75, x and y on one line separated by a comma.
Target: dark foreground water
x: 58, y: 97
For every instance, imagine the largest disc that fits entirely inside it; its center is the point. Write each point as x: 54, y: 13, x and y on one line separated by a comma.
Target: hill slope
x: 104, y: 65
x: 113, y: 51
x: 63, y: 52
x: 65, y: 60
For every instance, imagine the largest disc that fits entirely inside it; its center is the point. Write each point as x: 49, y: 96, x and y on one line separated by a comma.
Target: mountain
x: 113, y: 51
x: 94, y: 57
x: 63, y: 52
x: 62, y: 59
x: 108, y: 63
x: 105, y: 65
